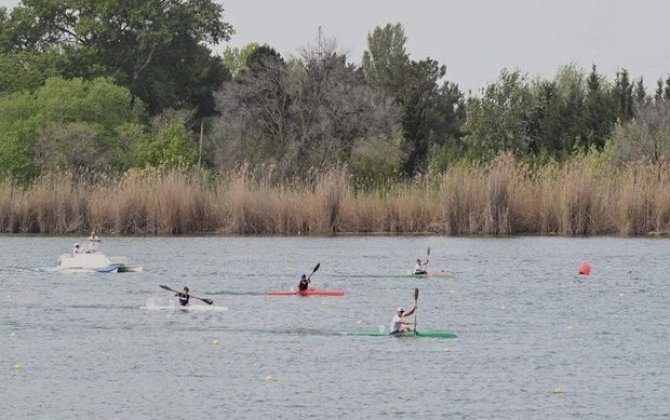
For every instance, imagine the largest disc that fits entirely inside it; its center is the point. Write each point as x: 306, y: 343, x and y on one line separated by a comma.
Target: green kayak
x: 419, y: 334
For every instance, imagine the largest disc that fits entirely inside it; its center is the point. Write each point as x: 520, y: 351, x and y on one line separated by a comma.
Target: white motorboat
x: 95, y: 262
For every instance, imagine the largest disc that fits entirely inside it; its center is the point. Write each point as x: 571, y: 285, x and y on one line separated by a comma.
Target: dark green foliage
x: 432, y: 112
x: 599, y: 112
x: 155, y: 48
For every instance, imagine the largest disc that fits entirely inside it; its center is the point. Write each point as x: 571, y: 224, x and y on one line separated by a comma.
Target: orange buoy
x: 584, y: 269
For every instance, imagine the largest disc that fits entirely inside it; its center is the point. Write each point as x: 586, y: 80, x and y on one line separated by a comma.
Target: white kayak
x: 191, y: 307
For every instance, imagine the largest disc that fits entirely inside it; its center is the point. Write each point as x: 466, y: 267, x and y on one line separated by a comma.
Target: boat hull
x: 95, y: 262
x: 417, y: 334
x: 308, y: 292
x: 431, y: 274
x: 188, y: 308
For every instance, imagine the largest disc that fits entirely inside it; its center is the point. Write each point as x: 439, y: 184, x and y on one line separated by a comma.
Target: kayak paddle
x: 207, y: 301
x: 416, y: 298
x: 316, y: 267
x: 427, y: 256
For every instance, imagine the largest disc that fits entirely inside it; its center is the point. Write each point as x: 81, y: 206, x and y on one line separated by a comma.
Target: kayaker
x: 420, y: 267
x: 93, y: 242
x: 304, y: 283
x: 183, y: 296
x: 399, y: 324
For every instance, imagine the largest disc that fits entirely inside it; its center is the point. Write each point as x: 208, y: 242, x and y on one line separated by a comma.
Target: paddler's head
x: 185, y: 289
x: 400, y: 310
x: 418, y: 260
x: 303, y: 277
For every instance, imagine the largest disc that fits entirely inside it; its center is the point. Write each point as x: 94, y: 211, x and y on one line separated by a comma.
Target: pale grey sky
x: 475, y: 39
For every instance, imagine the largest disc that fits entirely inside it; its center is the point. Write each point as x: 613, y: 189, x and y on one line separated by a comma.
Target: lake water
x: 527, y: 326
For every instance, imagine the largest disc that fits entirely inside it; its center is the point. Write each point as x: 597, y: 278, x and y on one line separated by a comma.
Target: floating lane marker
x: 359, y: 322
x: 215, y: 342
x: 12, y: 334
x: 558, y: 390
x: 269, y: 378
x: 17, y: 367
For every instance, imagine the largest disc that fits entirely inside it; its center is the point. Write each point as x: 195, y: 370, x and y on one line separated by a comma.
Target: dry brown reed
x: 504, y: 197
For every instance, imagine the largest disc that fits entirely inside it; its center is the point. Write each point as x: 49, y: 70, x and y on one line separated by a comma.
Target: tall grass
x: 502, y: 197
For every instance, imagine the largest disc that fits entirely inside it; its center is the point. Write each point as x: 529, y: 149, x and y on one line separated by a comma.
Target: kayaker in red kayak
x: 399, y: 324
x: 304, y: 282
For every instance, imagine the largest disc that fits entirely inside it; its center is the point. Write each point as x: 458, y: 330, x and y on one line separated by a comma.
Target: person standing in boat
x: 183, y: 297
x: 93, y: 243
x: 399, y: 324
x: 421, y: 268
x: 304, y: 283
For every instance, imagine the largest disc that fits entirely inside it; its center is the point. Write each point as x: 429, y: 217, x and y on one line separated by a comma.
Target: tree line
x: 104, y: 86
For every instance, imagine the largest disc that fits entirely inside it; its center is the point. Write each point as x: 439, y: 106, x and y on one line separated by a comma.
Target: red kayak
x: 308, y: 292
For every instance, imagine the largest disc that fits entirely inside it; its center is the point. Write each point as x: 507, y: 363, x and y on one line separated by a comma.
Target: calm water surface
x: 526, y: 326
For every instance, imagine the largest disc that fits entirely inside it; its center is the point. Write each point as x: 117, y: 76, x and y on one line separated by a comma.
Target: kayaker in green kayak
x: 420, y: 268
x: 399, y: 324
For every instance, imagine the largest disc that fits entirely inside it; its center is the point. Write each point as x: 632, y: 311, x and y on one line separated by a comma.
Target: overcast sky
x: 475, y: 39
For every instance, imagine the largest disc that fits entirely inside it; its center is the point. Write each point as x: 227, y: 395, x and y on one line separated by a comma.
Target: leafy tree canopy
x: 157, y: 48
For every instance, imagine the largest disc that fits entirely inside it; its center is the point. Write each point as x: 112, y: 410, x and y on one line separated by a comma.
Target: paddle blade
x: 316, y: 267
x: 167, y: 288
x: 207, y: 301
x: 428, y: 253
x: 416, y: 294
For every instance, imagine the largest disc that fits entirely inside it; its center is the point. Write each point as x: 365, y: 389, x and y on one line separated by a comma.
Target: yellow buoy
x: 323, y: 302
x: 215, y: 342
x: 558, y: 390
x: 168, y: 316
x: 503, y: 307
x: 17, y: 367
x: 359, y: 322
x: 12, y: 334
x: 447, y: 349
x: 570, y: 327
x: 269, y: 378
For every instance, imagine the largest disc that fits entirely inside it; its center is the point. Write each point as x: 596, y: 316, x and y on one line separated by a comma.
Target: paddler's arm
x: 410, y: 312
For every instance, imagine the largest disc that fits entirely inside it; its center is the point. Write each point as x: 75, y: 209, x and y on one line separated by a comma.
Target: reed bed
x: 502, y: 197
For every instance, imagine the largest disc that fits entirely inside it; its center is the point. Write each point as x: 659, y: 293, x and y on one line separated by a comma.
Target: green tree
x: 26, y: 70
x: 432, y: 112
x: 170, y: 145
x: 623, y: 95
x: 236, y: 59
x: 154, y: 47
x: 385, y: 62
x: 557, y: 122
x: 64, y: 124
x: 599, y: 111
x: 500, y: 120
